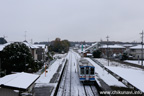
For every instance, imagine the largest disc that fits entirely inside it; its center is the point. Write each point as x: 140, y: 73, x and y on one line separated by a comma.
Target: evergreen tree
x: 97, y: 54
x: 17, y: 57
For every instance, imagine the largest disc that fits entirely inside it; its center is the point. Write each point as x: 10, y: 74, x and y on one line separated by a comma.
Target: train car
x: 86, y: 70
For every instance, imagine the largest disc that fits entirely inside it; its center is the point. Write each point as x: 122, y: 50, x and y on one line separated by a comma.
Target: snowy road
x: 70, y: 85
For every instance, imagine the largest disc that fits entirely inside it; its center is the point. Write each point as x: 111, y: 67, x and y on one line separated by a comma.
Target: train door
x: 87, y: 73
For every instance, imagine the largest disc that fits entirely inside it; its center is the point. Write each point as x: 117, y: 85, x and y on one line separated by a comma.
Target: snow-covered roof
x: 40, y: 45
x: 136, y: 47
x: 112, y: 46
x: 30, y: 45
x: 19, y: 80
x: 2, y: 47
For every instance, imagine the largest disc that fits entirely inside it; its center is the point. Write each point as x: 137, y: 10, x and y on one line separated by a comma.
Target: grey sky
x: 75, y: 20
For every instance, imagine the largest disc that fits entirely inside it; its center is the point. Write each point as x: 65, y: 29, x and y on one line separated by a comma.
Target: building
x: 41, y: 51
x: 136, y: 52
x: 16, y: 84
x: 111, y: 50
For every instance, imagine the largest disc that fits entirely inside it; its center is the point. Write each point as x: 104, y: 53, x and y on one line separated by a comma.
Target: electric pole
x: 142, y: 47
x: 107, y: 50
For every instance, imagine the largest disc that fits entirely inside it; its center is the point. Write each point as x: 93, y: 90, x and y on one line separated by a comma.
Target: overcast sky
x: 75, y: 20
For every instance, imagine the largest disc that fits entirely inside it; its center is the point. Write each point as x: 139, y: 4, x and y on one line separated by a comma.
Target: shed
x: 15, y: 84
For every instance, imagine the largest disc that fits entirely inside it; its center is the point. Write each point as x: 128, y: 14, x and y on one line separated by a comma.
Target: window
x: 82, y: 70
x: 87, y: 70
x: 92, y: 71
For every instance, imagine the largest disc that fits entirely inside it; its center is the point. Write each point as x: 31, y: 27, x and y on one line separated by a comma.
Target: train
x: 86, y: 70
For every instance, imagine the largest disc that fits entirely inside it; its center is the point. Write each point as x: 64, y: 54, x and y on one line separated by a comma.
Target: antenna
x: 25, y: 35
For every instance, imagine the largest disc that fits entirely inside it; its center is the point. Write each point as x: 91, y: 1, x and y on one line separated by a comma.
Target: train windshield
x: 92, y: 70
x: 82, y: 70
x: 87, y: 70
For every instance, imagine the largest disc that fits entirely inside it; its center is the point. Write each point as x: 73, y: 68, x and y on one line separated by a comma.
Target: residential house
x: 136, y: 52
x: 41, y: 51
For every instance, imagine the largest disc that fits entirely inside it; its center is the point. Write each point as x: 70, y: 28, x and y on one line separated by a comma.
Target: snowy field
x: 134, y: 75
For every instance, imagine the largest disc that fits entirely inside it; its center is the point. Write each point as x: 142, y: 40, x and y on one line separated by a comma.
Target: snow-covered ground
x: 46, y: 77
x: 105, y: 76
x: 137, y: 62
x: 133, y: 75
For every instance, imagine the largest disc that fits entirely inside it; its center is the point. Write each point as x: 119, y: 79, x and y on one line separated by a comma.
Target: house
x: 111, y: 50
x: 15, y: 84
x: 136, y: 51
x: 33, y: 49
x: 41, y: 51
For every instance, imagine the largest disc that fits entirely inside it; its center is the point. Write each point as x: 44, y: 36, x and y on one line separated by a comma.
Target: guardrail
x: 119, y: 78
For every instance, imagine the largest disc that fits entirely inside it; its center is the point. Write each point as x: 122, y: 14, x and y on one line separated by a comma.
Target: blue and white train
x: 86, y: 70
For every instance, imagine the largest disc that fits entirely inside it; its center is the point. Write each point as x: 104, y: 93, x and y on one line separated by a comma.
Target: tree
x: 17, y: 57
x: 124, y: 56
x: 97, y: 54
x: 59, y: 46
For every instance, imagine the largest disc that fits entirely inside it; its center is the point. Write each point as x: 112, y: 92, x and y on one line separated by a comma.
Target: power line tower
x: 142, y: 47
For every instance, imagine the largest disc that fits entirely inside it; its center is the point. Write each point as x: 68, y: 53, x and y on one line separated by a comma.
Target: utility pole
x: 142, y: 47
x: 107, y: 50
x: 0, y: 68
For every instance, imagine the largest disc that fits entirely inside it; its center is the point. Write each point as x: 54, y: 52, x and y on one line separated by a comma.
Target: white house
x: 136, y: 52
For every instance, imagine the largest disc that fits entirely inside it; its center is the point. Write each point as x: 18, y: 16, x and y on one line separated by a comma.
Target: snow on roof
x: 18, y: 80
x: 30, y: 45
x: 2, y: 47
x: 40, y: 45
x: 112, y: 46
x: 136, y: 47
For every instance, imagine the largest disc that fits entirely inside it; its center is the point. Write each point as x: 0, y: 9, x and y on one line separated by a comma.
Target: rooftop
x: 19, y: 80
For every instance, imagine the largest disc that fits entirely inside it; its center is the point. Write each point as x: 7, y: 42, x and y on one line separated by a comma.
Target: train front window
x: 87, y: 70
x: 92, y: 70
x: 82, y: 70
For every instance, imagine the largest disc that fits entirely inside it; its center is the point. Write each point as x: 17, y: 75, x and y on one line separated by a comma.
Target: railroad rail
x: 91, y: 89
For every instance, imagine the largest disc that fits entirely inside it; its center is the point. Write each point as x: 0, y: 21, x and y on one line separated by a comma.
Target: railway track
x: 90, y: 90
x: 70, y: 84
